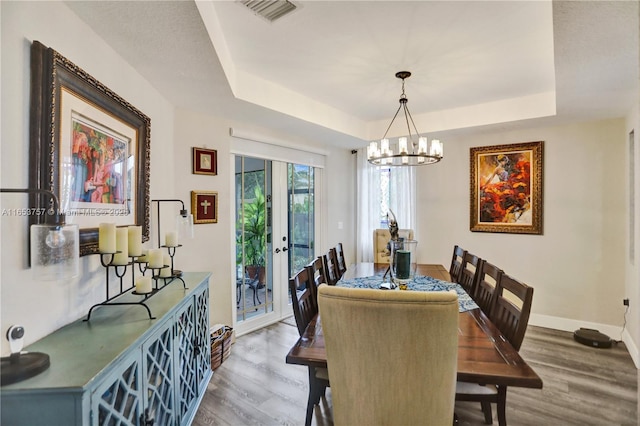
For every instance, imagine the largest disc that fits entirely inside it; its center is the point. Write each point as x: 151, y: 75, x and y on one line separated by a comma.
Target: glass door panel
x: 274, y: 214
x: 254, y: 283
x: 300, y: 188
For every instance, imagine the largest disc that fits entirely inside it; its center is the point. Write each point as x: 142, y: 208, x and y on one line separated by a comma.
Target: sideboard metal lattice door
x: 159, y: 389
x: 118, y: 402
x: 194, y: 352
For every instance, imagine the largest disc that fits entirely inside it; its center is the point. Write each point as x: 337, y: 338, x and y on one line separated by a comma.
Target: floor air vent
x: 269, y: 9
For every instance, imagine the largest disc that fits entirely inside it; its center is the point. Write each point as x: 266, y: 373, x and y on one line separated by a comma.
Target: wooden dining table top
x: 484, y: 355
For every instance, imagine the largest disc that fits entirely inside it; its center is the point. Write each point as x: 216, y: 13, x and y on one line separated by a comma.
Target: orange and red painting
x: 506, y: 188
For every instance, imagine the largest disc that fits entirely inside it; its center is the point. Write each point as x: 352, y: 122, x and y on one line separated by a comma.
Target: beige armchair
x: 391, y: 355
x: 381, y: 238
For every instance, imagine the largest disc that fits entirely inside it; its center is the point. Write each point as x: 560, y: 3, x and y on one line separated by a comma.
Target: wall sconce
x: 55, y: 245
x: 184, y: 221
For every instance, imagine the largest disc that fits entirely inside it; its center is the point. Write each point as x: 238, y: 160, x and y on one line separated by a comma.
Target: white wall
x: 42, y: 307
x: 212, y: 250
x: 632, y: 265
x: 577, y: 265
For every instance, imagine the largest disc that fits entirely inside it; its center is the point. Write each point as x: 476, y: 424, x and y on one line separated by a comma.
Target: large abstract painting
x: 506, y: 188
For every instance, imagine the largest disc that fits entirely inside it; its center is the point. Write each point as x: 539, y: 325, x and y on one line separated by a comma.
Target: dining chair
x: 341, y: 261
x: 316, y: 271
x: 381, y: 238
x: 510, y: 314
x: 456, y: 263
x: 330, y: 267
x: 303, y: 300
x: 469, y: 273
x: 486, y: 287
x: 369, y: 333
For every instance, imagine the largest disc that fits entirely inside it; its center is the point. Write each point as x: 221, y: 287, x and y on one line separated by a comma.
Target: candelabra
x: 144, y: 286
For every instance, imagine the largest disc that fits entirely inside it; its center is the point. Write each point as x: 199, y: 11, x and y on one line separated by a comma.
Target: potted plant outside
x: 254, y: 242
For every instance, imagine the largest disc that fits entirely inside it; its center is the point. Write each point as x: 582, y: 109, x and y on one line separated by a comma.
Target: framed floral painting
x: 506, y: 188
x: 89, y: 146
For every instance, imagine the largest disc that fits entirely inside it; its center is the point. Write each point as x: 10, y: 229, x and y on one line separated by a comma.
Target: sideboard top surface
x: 80, y: 350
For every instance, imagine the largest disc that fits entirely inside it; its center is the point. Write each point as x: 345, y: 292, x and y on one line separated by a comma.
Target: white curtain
x: 402, y: 201
x: 368, y: 206
x: 402, y: 196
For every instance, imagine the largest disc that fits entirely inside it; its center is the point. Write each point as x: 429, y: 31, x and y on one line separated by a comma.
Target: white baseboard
x: 566, y: 324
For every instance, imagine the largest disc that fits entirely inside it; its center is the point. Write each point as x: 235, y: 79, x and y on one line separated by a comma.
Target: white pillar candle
x: 135, y: 240
x: 166, y: 272
x: 107, y: 238
x: 171, y: 239
x: 143, y: 285
x: 155, y: 258
x: 144, y: 257
x: 402, y: 145
x: 122, y: 245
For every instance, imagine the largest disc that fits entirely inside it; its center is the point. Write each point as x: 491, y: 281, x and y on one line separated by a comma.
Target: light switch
x: 340, y: 225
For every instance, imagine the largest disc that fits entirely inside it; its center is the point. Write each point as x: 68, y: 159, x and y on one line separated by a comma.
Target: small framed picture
x: 204, y: 206
x: 205, y: 161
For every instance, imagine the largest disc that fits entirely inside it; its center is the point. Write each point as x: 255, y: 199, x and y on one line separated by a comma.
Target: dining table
x: 485, y: 356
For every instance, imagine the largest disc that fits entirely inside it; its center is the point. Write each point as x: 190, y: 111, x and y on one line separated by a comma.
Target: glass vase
x: 403, y: 262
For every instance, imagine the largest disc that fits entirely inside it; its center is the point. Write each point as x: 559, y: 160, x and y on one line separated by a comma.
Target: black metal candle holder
x: 106, y: 259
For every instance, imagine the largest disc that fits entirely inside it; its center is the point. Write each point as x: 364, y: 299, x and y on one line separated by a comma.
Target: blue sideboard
x: 122, y: 368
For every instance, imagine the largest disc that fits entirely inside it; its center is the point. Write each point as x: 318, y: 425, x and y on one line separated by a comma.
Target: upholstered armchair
x: 381, y: 238
x: 391, y: 355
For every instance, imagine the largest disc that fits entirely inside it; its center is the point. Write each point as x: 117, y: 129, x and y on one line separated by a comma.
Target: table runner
x: 419, y: 283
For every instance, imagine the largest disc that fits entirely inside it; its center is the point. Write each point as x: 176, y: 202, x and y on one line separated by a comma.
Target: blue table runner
x: 419, y: 283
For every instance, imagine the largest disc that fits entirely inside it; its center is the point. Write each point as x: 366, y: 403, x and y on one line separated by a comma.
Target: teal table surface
x: 80, y: 350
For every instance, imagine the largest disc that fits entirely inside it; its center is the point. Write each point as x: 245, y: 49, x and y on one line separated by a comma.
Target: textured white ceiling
x: 327, y: 70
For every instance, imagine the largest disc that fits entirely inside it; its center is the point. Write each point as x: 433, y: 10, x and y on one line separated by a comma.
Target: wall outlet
x: 625, y: 302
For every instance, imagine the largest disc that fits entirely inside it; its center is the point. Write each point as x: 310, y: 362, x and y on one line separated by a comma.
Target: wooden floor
x: 582, y: 385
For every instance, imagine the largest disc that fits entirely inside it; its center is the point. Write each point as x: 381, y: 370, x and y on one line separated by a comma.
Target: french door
x: 275, y: 236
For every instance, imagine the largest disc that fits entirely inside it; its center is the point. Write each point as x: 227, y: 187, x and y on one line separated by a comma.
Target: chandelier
x: 411, y: 151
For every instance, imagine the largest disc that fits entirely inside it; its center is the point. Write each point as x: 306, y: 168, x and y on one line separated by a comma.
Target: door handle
x: 285, y: 248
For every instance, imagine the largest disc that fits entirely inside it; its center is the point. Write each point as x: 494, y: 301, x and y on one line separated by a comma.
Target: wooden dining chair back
x: 305, y: 307
x: 303, y: 298
x: 340, y: 260
x: 485, y: 294
x: 456, y: 263
x: 330, y: 267
x: 469, y: 273
x: 316, y: 271
x: 367, y: 331
x: 512, y: 309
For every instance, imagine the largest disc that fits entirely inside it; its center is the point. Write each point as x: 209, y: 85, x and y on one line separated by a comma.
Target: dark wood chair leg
x: 502, y: 406
x: 486, y: 409
x: 311, y: 402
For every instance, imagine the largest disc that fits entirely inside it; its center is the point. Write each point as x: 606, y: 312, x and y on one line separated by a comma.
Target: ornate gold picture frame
x: 89, y: 146
x: 506, y: 188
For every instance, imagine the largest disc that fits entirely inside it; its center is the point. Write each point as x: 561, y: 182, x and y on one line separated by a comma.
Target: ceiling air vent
x: 269, y: 9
